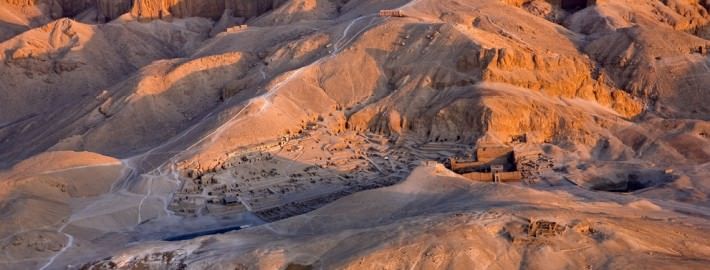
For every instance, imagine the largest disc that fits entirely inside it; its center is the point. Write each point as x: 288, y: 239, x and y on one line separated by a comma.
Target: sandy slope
x: 41, y: 195
x: 436, y: 220
x: 17, y: 19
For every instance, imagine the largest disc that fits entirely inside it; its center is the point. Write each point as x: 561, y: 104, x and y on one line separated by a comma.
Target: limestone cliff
x: 21, y: 3
x: 106, y: 10
x: 153, y: 9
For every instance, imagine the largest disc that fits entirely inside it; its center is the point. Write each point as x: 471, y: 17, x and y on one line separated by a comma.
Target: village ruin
x: 303, y: 171
x: 297, y: 173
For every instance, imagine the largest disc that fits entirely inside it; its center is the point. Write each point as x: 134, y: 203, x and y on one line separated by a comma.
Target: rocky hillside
x: 180, y: 117
x: 435, y: 220
x: 106, y: 10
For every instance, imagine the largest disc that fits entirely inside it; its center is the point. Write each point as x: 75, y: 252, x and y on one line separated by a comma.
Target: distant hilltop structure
x: 392, y: 13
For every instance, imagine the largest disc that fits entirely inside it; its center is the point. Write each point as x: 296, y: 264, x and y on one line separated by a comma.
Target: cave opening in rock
x: 574, y: 5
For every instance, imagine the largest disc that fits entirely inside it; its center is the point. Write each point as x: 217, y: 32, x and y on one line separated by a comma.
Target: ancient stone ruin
x: 493, y: 163
x: 392, y: 13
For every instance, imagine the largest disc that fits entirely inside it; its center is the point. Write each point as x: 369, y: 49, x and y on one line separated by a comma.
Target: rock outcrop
x: 106, y: 10
x: 158, y: 9
x: 21, y: 3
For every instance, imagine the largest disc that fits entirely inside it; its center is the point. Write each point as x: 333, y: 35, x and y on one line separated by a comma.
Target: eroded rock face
x: 72, y: 8
x: 156, y: 9
x: 107, y: 10
x: 21, y: 3
x: 104, y: 9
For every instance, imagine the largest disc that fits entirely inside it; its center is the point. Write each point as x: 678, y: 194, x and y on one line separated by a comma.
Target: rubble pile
x: 532, y: 166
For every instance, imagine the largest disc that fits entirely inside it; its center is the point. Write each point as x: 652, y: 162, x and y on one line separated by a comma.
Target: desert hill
x: 436, y: 220
x: 129, y: 122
